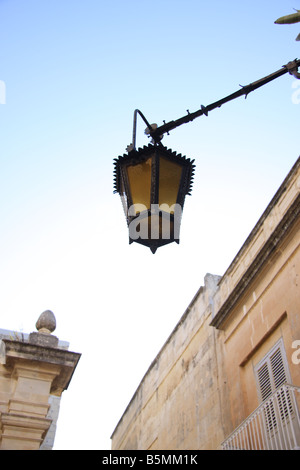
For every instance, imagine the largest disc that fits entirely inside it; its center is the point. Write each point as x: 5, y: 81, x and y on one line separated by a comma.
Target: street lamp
x: 153, y: 181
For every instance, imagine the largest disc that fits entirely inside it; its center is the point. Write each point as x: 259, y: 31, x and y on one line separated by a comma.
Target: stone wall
x: 202, y: 384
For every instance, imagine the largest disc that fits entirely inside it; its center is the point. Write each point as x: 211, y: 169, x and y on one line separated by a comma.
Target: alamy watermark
x: 2, y: 92
x: 296, y: 354
x: 165, y: 221
x: 296, y: 93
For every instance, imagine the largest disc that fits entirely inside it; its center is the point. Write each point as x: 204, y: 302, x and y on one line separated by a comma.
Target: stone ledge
x: 27, y: 408
x: 275, y: 222
x: 289, y: 220
x: 25, y: 428
x: 29, y: 432
x: 13, y: 351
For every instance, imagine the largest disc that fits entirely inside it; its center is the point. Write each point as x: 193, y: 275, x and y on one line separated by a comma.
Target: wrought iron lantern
x: 153, y: 182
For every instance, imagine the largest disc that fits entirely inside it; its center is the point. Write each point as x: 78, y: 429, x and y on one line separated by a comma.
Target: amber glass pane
x: 139, y: 177
x: 169, y: 181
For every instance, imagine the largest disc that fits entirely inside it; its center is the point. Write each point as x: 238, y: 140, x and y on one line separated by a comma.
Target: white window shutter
x: 272, y: 371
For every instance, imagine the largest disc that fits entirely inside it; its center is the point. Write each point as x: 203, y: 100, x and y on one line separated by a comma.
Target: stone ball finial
x: 46, y: 322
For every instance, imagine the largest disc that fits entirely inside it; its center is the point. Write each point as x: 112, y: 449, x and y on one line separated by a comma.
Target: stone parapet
x: 31, y: 372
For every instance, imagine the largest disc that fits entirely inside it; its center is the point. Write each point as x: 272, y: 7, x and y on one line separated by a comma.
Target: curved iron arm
x: 133, y: 144
x: 157, y: 133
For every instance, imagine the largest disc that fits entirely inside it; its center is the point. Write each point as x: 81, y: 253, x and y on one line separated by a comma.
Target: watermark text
x: 165, y: 221
x: 2, y: 92
x: 296, y: 93
x: 296, y: 354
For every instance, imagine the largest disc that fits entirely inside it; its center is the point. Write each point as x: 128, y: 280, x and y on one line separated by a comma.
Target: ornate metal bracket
x: 293, y: 68
x: 157, y: 132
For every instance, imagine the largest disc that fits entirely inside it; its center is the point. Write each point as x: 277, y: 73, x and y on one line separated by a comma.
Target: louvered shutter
x: 279, y: 374
x: 271, y: 373
x: 264, y: 381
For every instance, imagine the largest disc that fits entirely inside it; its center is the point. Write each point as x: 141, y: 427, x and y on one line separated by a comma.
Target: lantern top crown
x: 135, y: 157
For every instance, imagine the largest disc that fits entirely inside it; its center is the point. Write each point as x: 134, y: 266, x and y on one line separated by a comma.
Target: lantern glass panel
x: 139, y: 177
x: 123, y: 196
x: 169, y: 181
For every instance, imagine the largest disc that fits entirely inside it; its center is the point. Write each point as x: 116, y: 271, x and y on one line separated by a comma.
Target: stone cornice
x: 64, y: 359
x: 277, y: 220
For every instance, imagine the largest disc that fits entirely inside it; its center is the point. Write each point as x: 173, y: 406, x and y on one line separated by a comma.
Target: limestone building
x: 228, y: 376
x: 34, y: 371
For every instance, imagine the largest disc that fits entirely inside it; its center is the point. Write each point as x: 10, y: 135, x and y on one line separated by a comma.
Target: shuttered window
x: 271, y: 373
x: 264, y: 381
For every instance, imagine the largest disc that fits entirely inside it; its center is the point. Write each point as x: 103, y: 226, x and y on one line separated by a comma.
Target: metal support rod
x: 291, y: 67
x: 137, y: 111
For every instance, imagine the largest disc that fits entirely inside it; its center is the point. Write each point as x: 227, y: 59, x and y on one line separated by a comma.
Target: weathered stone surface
x: 46, y: 322
x: 43, y: 339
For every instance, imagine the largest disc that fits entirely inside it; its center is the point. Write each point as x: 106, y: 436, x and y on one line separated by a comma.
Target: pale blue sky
x: 74, y: 73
